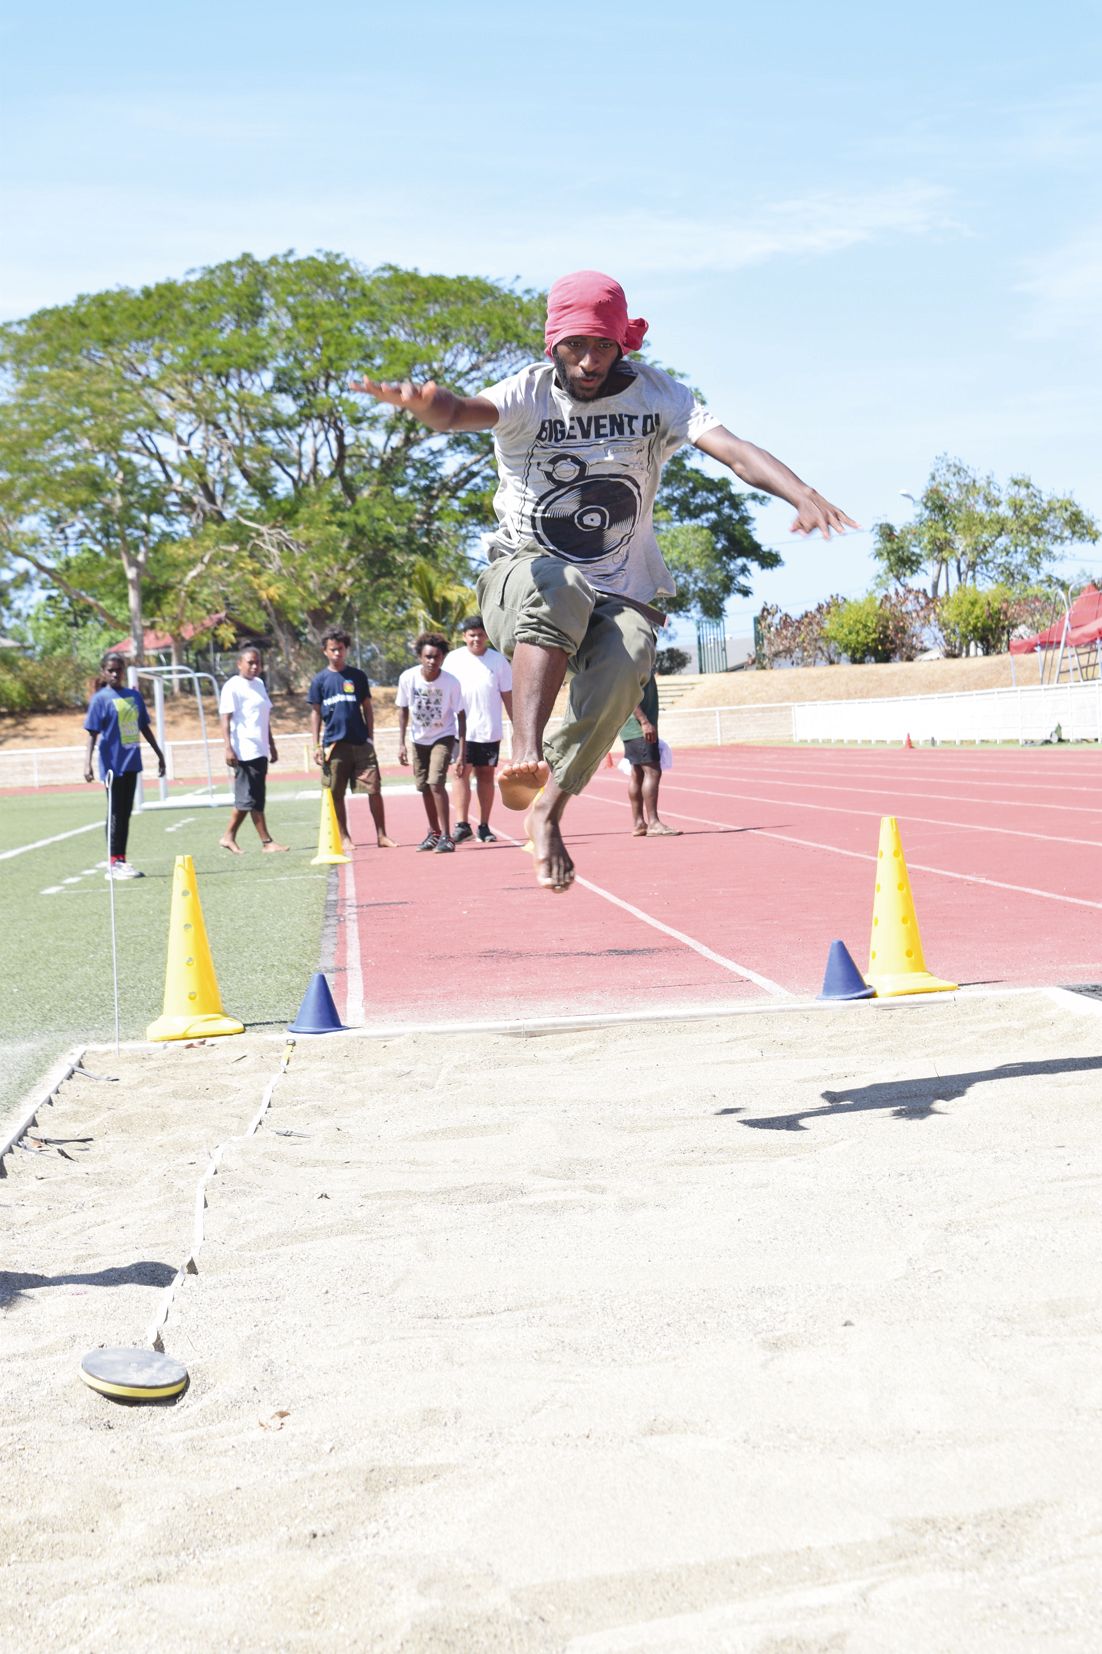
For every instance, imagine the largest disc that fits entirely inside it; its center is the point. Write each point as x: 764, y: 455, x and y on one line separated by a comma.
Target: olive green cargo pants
x: 532, y: 597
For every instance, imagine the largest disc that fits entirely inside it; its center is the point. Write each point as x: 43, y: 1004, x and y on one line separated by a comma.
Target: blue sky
x: 870, y: 235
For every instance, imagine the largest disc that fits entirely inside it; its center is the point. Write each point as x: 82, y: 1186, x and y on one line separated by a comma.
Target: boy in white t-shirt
x: 430, y: 706
x: 486, y: 679
x: 246, y: 714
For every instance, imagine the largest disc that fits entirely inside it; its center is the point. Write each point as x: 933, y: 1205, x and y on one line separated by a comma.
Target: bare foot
x: 554, y: 867
x: 385, y: 843
x: 639, y: 830
x: 520, y: 780
x: 272, y: 848
x: 347, y: 845
x: 231, y: 845
x: 658, y: 829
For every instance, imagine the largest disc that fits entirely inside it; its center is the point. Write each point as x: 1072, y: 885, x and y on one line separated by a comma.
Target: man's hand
x: 318, y: 757
x: 231, y: 759
x: 403, y: 755
x: 430, y: 402
x: 815, y: 513
x: 649, y: 732
x: 461, y: 769
x: 160, y: 769
x: 273, y: 755
x: 88, y: 773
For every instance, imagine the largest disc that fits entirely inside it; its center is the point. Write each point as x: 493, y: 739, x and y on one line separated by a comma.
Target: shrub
x: 862, y: 630
x: 973, y: 616
x: 51, y: 684
x: 670, y: 660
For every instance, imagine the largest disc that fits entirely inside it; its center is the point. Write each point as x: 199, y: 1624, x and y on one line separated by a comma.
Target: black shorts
x: 643, y: 753
x: 481, y: 753
x: 250, y: 783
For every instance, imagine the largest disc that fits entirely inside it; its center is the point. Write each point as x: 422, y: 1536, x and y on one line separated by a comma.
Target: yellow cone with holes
x: 896, y: 961
x: 329, y: 834
x: 193, y: 1005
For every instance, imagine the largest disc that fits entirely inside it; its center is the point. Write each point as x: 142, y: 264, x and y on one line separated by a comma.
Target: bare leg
x: 440, y: 796
x: 635, y: 799
x: 267, y: 842
x: 538, y: 674
x: 378, y: 816
x: 342, y: 818
x: 461, y: 795
x: 554, y: 868
x: 228, y: 841
x: 484, y: 780
x: 652, y: 780
x: 430, y: 810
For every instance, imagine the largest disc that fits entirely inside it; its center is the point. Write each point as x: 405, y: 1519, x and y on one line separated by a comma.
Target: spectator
x: 486, y: 680
x: 246, y: 713
x: 430, y: 706
x: 641, y: 749
x: 117, y: 716
x: 340, y: 706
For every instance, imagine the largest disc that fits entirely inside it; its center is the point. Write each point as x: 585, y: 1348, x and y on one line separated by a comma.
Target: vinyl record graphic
x: 585, y: 518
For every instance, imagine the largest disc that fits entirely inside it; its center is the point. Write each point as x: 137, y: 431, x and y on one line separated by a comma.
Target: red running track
x: 776, y: 859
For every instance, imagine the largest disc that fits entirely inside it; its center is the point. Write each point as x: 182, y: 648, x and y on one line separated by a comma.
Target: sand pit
x: 779, y: 1331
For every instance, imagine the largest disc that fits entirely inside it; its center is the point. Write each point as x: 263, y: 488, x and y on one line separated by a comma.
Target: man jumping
x: 576, y: 581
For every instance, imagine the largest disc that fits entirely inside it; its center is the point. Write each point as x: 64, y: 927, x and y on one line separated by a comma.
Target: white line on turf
x: 863, y: 855
x: 705, y: 952
x: 40, y: 844
x: 353, y: 964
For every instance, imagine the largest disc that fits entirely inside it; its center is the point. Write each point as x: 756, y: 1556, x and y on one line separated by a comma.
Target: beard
x: 574, y: 387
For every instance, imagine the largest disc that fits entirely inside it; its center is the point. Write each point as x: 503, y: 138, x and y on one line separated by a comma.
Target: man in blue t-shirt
x: 342, y: 721
x: 117, y: 717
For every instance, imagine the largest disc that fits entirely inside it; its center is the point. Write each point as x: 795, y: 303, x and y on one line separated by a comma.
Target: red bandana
x: 590, y: 305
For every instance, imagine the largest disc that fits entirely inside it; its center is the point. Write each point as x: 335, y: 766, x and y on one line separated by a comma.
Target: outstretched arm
x: 439, y: 409
x: 759, y: 469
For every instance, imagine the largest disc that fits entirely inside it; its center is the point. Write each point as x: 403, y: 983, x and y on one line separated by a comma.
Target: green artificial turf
x: 263, y: 915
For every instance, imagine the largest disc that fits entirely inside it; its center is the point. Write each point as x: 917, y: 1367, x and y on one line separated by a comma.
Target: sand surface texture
x: 773, y: 1332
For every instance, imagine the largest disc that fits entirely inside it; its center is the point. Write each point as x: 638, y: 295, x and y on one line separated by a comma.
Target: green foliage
x: 974, y: 616
x: 193, y: 447
x: 706, y: 536
x: 861, y: 630
x: 440, y: 602
x: 49, y: 684
x: 671, y: 660
x: 980, y: 530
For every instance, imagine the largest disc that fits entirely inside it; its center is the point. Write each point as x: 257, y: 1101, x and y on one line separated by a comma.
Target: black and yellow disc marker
x: 133, y: 1375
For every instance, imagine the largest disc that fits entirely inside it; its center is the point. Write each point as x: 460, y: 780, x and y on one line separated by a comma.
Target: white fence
x: 1027, y: 714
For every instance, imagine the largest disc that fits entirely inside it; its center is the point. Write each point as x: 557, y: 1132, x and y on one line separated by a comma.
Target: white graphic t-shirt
x: 432, y: 706
x: 250, y: 709
x: 579, y: 478
x: 482, y: 678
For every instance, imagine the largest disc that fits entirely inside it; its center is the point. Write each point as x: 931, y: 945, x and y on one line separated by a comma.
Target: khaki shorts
x: 349, y: 762
x: 430, y: 764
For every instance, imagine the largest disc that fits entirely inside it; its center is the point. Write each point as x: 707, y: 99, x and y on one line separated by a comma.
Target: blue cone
x: 317, y: 1014
x: 843, y: 980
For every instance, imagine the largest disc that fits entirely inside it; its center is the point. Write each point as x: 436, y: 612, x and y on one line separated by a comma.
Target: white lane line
x: 52, y: 890
x: 821, y: 776
x: 863, y: 855
x: 353, y: 961
x: 938, y: 798
x: 40, y: 844
x: 175, y: 828
x: 719, y: 959
x: 843, y: 810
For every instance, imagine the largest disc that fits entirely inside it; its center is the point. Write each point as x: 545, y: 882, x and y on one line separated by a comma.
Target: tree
x: 981, y: 531
x: 973, y: 617
x: 861, y: 630
x: 440, y: 602
x: 706, y: 535
x: 193, y: 445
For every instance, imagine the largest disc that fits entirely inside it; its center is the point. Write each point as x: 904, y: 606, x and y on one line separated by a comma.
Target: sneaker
x: 428, y: 842
x: 444, y: 843
x: 123, y: 870
x: 463, y: 832
x: 484, y: 834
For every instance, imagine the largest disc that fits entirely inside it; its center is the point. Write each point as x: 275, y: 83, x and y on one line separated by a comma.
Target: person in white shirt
x: 486, y: 679
x: 246, y: 713
x: 576, y: 580
x: 430, y: 707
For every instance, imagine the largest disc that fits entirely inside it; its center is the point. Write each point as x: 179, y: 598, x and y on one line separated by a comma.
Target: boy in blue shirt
x: 340, y: 706
x: 117, y: 716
